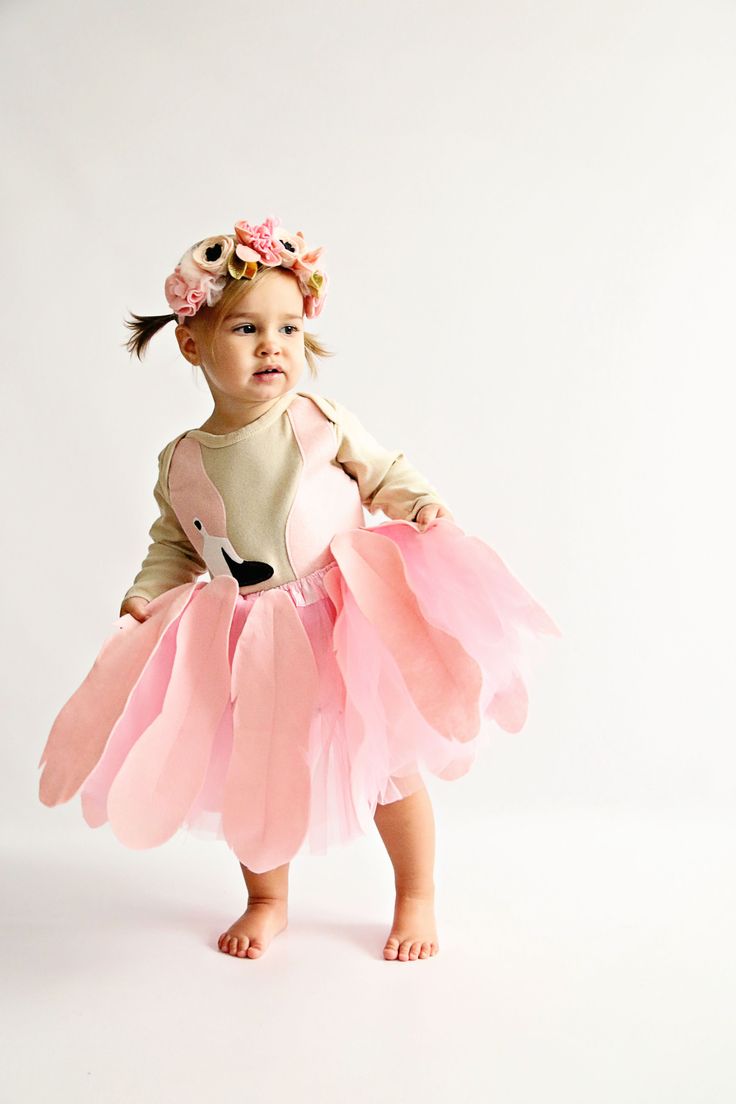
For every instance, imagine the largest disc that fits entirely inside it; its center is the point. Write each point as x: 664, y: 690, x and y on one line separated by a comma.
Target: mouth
x: 269, y: 372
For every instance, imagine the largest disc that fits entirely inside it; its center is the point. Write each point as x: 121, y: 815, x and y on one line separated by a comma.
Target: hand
x: 429, y: 512
x: 136, y: 607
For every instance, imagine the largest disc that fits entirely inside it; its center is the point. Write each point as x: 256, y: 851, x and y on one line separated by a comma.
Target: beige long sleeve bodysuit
x: 263, y: 503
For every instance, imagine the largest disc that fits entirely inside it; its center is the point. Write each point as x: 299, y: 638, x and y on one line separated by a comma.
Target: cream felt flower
x: 212, y: 254
x: 190, y: 271
x: 291, y: 247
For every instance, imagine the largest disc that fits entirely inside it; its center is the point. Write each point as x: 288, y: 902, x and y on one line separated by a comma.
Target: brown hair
x: 144, y: 326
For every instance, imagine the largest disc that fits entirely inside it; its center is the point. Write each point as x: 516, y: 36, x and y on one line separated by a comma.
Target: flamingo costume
x: 323, y: 667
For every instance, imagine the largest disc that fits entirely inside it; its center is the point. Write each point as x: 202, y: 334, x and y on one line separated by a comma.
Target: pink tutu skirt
x: 278, y: 719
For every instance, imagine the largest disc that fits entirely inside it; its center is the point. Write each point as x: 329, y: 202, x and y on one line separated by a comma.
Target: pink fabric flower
x: 310, y: 277
x: 246, y: 253
x: 183, y: 299
x: 261, y: 238
x: 306, y: 259
x: 208, y: 282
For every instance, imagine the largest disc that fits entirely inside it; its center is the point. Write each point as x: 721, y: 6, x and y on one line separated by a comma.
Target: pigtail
x: 144, y: 326
x: 314, y: 349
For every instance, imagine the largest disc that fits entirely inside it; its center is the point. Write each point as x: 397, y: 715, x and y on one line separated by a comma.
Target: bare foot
x: 250, y: 934
x: 414, y: 931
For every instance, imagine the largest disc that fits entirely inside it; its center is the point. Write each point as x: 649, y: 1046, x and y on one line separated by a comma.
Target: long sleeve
x: 386, y: 479
x: 171, y: 559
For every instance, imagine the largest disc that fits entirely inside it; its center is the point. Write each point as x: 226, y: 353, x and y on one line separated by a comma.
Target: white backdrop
x: 528, y: 219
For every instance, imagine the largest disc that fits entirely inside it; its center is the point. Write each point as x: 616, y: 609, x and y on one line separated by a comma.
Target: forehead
x: 276, y: 293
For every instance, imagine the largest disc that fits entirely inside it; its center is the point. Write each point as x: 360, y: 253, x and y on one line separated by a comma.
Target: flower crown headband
x: 203, y: 272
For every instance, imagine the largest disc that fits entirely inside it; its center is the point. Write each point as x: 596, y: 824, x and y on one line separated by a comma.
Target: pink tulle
x: 277, y: 720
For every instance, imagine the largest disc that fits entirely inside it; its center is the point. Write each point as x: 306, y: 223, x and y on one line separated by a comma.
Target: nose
x: 268, y: 345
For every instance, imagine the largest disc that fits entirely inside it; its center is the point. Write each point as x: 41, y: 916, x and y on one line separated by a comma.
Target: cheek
x: 229, y: 350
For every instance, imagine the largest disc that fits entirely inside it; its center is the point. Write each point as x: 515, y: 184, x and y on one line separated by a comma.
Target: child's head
x: 260, y: 273
x: 253, y: 325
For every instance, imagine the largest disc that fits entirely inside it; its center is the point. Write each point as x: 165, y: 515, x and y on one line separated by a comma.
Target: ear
x: 187, y: 344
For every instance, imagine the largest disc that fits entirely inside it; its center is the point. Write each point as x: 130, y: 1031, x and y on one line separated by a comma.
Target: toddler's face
x: 265, y: 326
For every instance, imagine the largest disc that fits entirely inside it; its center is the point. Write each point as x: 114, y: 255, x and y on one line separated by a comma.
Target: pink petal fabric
x: 442, y: 678
x: 164, y: 770
x: 275, y: 681
x: 80, y: 731
x: 277, y: 720
x: 509, y: 613
x: 144, y: 704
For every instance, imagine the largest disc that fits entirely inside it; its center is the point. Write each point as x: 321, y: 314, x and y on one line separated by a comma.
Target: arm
x: 171, y: 559
x: 386, y: 479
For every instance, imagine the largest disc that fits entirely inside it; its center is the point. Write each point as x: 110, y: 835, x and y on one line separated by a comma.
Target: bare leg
x: 407, y: 829
x: 265, y: 916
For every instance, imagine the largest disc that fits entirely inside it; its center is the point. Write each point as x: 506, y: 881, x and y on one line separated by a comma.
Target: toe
x: 414, y: 950
x: 426, y: 950
x: 391, y: 949
x: 404, y: 950
x: 254, y: 950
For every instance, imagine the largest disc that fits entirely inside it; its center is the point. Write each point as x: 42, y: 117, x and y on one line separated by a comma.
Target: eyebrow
x: 254, y: 314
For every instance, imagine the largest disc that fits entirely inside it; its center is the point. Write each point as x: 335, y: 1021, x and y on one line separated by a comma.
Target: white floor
x: 585, y: 957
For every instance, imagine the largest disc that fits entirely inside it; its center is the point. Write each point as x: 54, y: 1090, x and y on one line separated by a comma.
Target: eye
x: 250, y: 327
